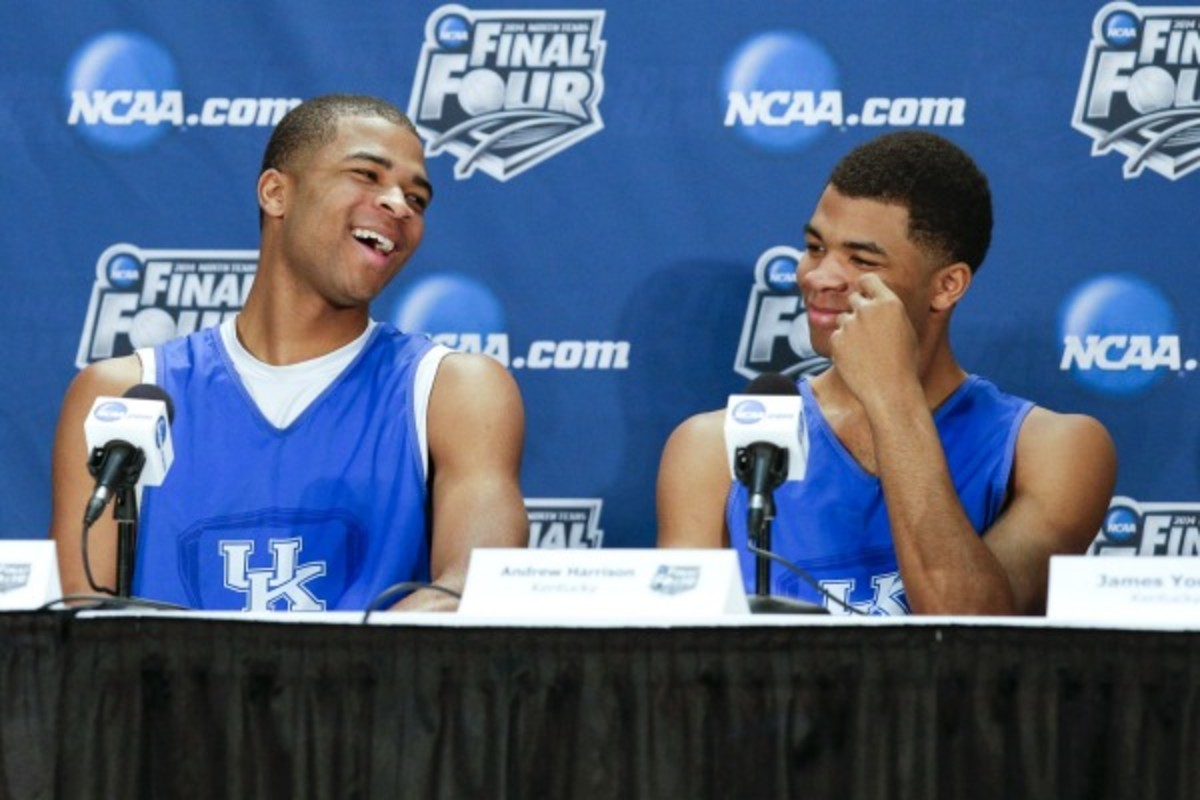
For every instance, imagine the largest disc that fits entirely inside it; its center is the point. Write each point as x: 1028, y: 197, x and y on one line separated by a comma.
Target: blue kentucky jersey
x: 834, y: 523
x: 323, y: 514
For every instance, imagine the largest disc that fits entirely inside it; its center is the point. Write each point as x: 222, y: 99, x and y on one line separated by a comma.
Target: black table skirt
x: 147, y: 707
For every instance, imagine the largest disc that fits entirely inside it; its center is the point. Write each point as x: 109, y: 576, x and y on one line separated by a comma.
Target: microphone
x: 129, y: 438
x: 766, y: 442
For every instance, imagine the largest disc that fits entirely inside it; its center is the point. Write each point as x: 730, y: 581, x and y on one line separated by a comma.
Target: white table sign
x: 1124, y: 589
x: 626, y: 583
x: 28, y: 574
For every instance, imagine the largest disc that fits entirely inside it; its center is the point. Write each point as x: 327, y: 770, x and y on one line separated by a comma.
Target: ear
x: 272, y: 192
x: 948, y: 286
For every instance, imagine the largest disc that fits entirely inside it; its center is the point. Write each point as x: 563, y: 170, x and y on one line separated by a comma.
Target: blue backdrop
x: 620, y: 194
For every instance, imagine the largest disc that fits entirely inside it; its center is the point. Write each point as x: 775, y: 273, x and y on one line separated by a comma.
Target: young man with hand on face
x: 928, y: 489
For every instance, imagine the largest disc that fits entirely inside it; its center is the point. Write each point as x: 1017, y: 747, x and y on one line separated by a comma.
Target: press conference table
x: 159, y: 705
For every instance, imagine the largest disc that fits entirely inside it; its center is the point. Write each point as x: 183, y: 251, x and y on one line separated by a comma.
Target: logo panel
x: 1119, y: 335
x: 1132, y: 528
x: 1139, y: 92
x: 775, y: 330
x: 142, y: 298
x: 672, y: 580
x: 460, y: 312
x: 123, y: 92
x: 560, y: 523
x: 780, y: 91
x: 505, y: 90
x: 14, y: 576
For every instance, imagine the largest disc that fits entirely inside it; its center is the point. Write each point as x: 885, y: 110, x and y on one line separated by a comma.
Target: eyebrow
x: 866, y: 246
x: 387, y: 163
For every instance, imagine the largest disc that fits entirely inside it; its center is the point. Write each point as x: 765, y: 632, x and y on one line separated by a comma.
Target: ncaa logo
x: 506, y: 90
x: 1120, y: 29
x: 1138, y: 94
x: 1132, y: 528
x: 1119, y: 335
x: 749, y: 412
x: 775, y: 69
x: 128, y: 84
x: 1120, y: 524
x: 111, y: 411
x: 124, y: 271
x: 775, y: 334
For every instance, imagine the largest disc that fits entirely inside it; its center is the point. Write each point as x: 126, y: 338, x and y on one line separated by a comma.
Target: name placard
x: 1127, y: 589
x: 614, y: 583
x: 28, y: 574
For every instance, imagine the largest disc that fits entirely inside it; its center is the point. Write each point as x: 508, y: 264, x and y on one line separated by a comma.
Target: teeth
x: 381, y: 242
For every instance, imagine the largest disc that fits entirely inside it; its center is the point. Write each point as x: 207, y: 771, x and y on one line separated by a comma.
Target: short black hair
x: 947, y: 196
x: 314, y: 123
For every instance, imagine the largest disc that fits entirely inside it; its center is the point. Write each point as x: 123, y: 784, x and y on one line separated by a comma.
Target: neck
x: 278, y: 331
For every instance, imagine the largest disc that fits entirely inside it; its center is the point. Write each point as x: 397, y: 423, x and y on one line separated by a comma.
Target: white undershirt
x: 282, y: 393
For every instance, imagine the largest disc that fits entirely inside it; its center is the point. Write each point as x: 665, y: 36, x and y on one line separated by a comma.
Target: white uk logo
x: 279, y: 588
x: 889, y: 597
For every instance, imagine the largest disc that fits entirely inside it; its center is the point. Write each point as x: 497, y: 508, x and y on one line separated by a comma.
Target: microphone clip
x: 132, y: 460
x: 775, y: 463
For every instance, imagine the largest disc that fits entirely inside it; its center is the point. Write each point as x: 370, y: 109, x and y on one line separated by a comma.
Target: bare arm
x: 1063, y: 477
x: 693, y: 484
x: 1062, y: 481
x: 72, y: 484
x: 476, y: 432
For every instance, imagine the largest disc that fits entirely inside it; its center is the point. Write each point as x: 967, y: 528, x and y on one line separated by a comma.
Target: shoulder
x: 1066, y: 461
x: 473, y: 396
x: 695, y: 452
x: 700, y: 432
x: 693, y: 483
x: 112, y: 376
x: 1048, y: 435
x: 466, y: 376
x: 475, y: 417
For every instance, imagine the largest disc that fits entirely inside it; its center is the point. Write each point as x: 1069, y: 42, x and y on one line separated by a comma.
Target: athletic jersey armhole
x: 422, y: 388
x: 1000, y: 491
x: 146, y: 357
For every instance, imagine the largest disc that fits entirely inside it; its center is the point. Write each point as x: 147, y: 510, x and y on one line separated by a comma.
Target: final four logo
x: 1139, y: 94
x: 1132, y: 528
x: 142, y: 298
x: 505, y: 90
x: 557, y: 523
x: 775, y: 331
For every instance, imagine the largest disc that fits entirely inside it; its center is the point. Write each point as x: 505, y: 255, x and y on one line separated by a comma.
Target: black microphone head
x: 772, y: 383
x: 148, y: 391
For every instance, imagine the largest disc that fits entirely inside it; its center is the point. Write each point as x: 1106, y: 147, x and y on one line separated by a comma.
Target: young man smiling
x: 928, y: 489
x: 321, y: 457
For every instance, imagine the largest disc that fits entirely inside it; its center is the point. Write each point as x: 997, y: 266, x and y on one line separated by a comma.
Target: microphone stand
x: 771, y: 474
x: 762, y: 601
x: 126, y: 513
x: 125, y: 510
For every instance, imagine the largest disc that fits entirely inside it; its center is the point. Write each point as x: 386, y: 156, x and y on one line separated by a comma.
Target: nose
x: 393, y: 201
x: 821, y: 273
